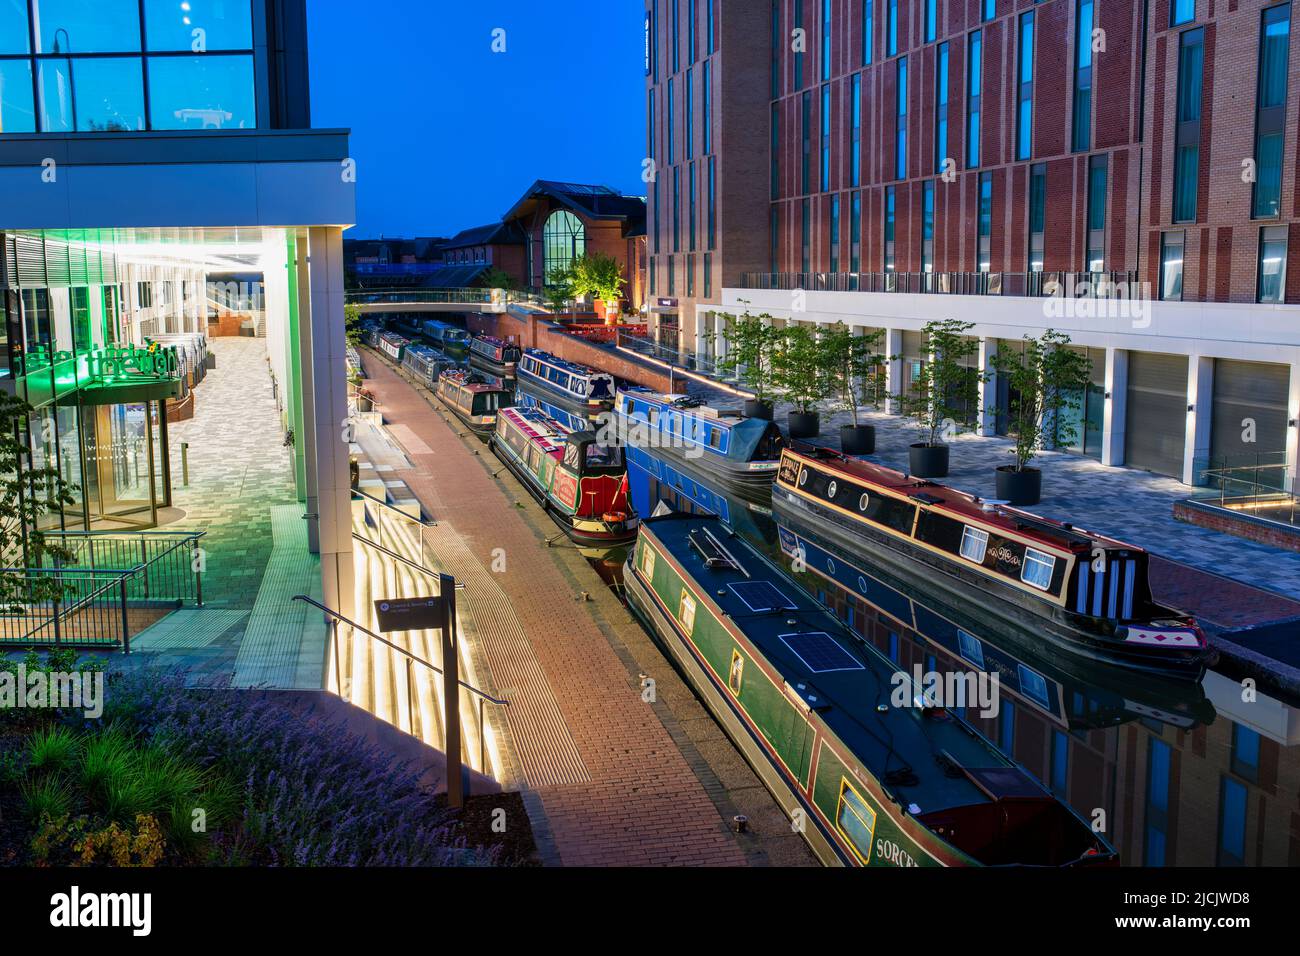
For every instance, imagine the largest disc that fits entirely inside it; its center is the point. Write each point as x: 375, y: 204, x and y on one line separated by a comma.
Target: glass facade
x: 72, y: 66
x: 563, y: 239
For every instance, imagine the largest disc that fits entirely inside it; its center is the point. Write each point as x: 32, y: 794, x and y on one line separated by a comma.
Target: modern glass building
x: 149, y: 150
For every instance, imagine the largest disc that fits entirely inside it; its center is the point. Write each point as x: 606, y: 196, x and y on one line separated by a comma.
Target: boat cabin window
x: 715, y: 438
x: 855, y: 820
x: 485, y: 403
x: 602, y: 457
x: 1037, y: 569
x: 975, y: 544
x: 736, y: 673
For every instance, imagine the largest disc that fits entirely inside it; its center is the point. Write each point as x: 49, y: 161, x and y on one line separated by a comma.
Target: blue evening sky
x: 448, y: 134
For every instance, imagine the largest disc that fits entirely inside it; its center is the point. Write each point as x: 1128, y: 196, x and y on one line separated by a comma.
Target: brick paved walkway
x: 653, y: 798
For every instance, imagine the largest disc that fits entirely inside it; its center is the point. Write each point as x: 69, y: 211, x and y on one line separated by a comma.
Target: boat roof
x: 462, y: 378
x: 393, y: 337
x: 838, y: 674
x: 568, y: 366
x: 491, y: 340
x: 724, y: 416
x: 539, y: 428
x: 962, y: 505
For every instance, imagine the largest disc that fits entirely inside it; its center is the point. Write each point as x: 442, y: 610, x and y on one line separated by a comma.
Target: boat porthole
x: 862, y: 584
x: 803, y: 477
x: 831, y: 489
x: 830, y: 565
x: 863, y: 502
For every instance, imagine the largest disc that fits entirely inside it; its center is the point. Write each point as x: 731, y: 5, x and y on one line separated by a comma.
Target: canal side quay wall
x: 538, y: 332
x: 664, y: 781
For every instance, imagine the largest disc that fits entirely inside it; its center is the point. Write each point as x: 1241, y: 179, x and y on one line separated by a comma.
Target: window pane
x: 16, y: 112
x: 13, y: 27
x: 1187, y: 164
x: 202, y: 92
x: 1272, y: 264
x: 76, y: 26
x: 91, y: 95
x: 225, y: 24
x: 1268, y: 176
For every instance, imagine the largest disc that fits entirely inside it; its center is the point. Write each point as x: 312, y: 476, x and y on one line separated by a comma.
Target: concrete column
x: 329, y: 394
x: 1112, y: 434
x: 306, y: 411
x: 893, y: 368
x: 1200, y: 398
x: 988, y: 386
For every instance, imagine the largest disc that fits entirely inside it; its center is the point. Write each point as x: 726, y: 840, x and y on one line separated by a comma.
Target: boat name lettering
x: 895, y: 854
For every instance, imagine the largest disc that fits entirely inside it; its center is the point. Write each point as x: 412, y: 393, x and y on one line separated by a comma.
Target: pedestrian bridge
x: 498, y: 301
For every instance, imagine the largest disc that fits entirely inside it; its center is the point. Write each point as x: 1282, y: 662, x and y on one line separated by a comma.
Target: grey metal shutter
x: 1156, y: 424
x: 1249, y: 390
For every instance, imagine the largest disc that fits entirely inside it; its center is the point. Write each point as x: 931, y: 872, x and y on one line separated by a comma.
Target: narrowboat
x: 831, y: 725
x: 1084, y: 591
x: 1073, y: 693
x: 576, y: 387
x: 426, y: 364
x: 494, y: 355
x: 472, y: 400
x: 393, y: 345
x: 572, y: 421
x: 581, y: 482
x: 741, y: 453
x: 406, y: 323
x: 444, y: 335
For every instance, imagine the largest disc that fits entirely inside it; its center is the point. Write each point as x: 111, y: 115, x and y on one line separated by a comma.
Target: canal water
x: 1176, y: 774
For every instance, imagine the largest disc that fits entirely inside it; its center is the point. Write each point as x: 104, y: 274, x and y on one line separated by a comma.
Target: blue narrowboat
x: 426, y: 364
x: 743, y: 454
x: 494, y: 355
x: 576, y: 387
x: 444, y: 335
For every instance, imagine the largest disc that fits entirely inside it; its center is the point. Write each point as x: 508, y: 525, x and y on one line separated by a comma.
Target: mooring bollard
x: 185, y: 463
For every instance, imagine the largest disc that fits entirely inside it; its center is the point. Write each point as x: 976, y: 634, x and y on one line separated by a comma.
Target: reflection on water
x: 1175, y: 773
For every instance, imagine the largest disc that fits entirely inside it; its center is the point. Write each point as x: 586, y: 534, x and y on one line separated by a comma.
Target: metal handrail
x: 401, y: 650
x: 415, y: 565
x: 391, y: 507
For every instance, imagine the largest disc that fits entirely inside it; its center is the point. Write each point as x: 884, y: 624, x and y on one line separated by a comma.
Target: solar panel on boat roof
x: 762, y: 596
x: 820, y: 652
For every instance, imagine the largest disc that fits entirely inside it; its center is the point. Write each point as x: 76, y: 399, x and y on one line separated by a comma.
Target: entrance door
x: 1156, y: 427
x: 123, y: 447
x: 1248, y: 427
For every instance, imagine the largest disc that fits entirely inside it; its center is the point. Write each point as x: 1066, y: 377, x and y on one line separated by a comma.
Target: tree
x: 1045, y: 378
x: 854, y: 366
x: 800, y: 370
x: 352, y: 323
x: 751, y: 343
x: 497, y: 278
x: 598, y: 275
x: 559, y: 288
x: 26, y: 494
x: 946, y: 389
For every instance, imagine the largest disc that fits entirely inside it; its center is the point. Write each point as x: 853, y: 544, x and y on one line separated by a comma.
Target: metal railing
x: 373, y: 511
x: 467, y: 296
x: 1263, y: 489
x: 112, y: 586
x: 1071, y: 285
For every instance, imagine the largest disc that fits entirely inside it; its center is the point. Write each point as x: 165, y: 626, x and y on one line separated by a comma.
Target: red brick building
x: 498, y: 245
x: 885, y: 162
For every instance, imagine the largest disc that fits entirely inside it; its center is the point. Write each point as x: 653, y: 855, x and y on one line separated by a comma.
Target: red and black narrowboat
x: 1086, y: 592
x: 472, y: 400
x: 581, y: 482
x: 494, y: 355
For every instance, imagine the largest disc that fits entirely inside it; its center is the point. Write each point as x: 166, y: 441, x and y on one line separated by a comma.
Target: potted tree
x: 943, y: 392
x: 751, y: 343
x: 855, y: 369
x: 1045, y: 378
x: 600, y: 276
x: 801, y: 373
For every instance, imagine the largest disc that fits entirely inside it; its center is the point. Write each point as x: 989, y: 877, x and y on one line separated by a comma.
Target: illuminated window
x: 1037, y: 569
x: 563, y: 239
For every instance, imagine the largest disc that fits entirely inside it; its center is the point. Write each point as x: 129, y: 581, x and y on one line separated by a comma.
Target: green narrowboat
x: 870, y: 771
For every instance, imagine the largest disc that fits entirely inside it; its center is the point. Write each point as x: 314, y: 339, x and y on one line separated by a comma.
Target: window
x: 855, y: 820
x: 1025, y: 90
x: 677, y: 35
x: 826, y: 138
x: 985, y: 222
x: 713, y: 202
x: 806, y: 234
x: 1037, y: 215
x: 855, y: 238
x: 974, y: 544
x: 900, y: 150
x: 202, y: 92
x: 1245, y: 752
x: 1232, y: 823
x: 563, y: 239
x: 826, y: 39
x: 798, y: 56
x: 689, y: 118
x: 805, y: 135
x: 974, y: 59
x: 710, y: 28
x: 1181, y: 11
x: 941, y: 109
x: 708, y: 275
x: 927, y: 226
x: 677, y: 209
x: 931, y: 20
x: 1171, y: 266
x: 1060, y: 761
x: 1187, y: 132
x: 970, y: 648
x: 855, y: 112
x: 889, y: 228
x: 690, y: 207
x: 690, y: 276
x: 736, y: 672
x: 1270, y: 111
x: 1271, y: 283
x: 650, y: 112
x: 1155, y: 846
x: 987, y: 9
x: 706, y: 91
x: 1082, y: 133
x: 1096, y: 214
x: 1007, y: 728
x: 144, y: 295
x: 1033, y: 685
x: 691, y: 16
x: 109, y: 94
x: 893, y: 27
x: 835, y: 234
x: 17, y: 109
x: 778, y: 44
x: 1037, y: 569
x: 868, y: 30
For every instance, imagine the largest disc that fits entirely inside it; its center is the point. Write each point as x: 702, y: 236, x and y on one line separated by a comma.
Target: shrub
x: 52, y: 748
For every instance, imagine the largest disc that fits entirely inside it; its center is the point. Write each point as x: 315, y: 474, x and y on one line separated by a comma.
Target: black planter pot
x: 1020, y: 487
x: 756, y: 409
x: 857, y: 439
x: 928, y: 461
x: 805, y: 424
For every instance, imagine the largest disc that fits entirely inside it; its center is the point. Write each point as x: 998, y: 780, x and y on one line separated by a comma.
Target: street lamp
x: 72, y: 80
